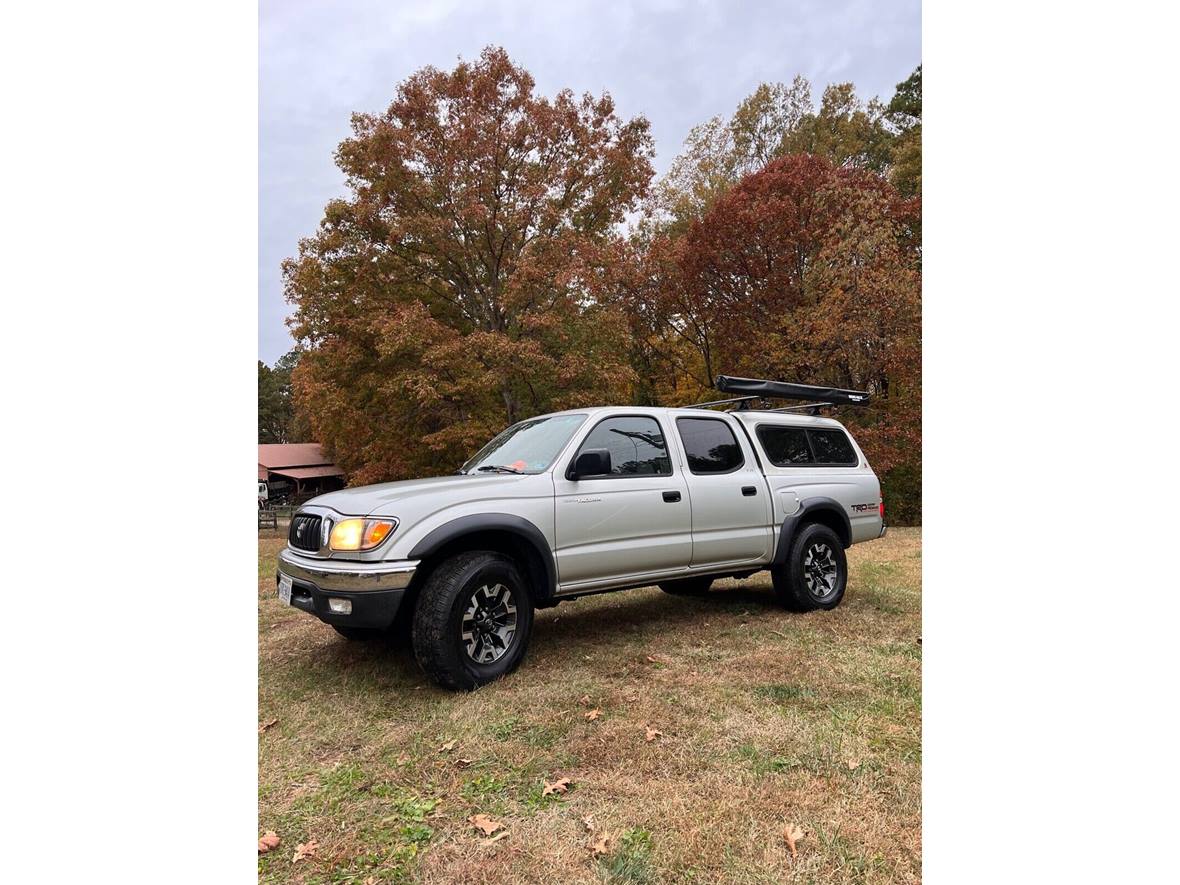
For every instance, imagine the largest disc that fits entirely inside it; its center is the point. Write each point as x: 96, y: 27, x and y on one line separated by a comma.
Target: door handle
x: 671, y: 497
x: 749, y: 491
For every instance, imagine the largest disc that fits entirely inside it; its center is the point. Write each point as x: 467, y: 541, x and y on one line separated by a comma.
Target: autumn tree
x: 465, y: 281
x: 805, y: 271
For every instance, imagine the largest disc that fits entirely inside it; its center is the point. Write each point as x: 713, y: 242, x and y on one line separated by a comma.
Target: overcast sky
x: 677, y: 62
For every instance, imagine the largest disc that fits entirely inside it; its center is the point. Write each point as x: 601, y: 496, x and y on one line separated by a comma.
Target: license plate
x: 284, y: 589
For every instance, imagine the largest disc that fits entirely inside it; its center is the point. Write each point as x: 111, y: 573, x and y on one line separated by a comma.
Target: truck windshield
x: 527, y: 447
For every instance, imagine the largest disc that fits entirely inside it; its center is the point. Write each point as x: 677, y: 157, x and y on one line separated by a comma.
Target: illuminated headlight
x: 360, y: 534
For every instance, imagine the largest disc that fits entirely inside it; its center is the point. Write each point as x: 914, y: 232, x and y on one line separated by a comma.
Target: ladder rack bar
x: 720, y: 402
x: 801, y: 408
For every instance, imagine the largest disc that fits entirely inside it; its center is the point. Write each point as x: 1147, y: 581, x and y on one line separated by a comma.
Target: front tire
x: 815, y: 573
x: 472, y: 621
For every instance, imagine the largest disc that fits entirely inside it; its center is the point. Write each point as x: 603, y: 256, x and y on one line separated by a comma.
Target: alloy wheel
x: 489, y: 624
x: 820, y: 570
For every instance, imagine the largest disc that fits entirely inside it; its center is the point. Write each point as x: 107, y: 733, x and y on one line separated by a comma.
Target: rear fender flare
x: 807, y: 513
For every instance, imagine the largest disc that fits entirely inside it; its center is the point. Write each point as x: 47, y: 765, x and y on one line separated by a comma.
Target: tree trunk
x: 510, y: 405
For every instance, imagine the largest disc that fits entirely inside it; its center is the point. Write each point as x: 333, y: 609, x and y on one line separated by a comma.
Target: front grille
x: 305, y: 532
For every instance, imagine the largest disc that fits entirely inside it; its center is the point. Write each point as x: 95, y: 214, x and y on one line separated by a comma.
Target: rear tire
x: 687, y: 586
x: 815, y: 573
x: 472, y: 621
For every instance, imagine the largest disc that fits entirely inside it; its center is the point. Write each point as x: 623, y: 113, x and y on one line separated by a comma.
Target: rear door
x: 730, y: 503
x: 629, y: 523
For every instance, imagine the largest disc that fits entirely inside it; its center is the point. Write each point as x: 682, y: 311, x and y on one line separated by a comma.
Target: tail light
x: 882, y: 508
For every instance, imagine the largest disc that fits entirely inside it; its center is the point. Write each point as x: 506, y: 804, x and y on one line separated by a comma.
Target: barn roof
x: 278, y: 455
x: 309, y: 472
x: 295, y: 461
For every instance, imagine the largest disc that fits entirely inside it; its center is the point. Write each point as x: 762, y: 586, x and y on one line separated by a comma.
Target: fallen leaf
x: 503, y: 834
x: 652, y: 660
x: 584, y: 700
x: 792, y: 834
x: 485, y: 823
x: 588, y: 823
x: 593, y: 714
x: 602, y: 845
x: 269, y: 840
x: 307, y: 849
x: 370, y: 880
x: 462, y: 763
x: 852, y: 763
x: 403, y: 759
x: 447, y: 747
x: 652, y: 734
x: 558, y: 786
x: 265, y: 725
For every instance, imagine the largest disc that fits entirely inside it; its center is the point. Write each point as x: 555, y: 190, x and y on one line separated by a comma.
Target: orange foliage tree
x: 464, y: 283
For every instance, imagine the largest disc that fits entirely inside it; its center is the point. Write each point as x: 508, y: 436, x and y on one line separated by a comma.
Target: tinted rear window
x: 710, y: 445
x: 832, y: 447
x: 785, y: 446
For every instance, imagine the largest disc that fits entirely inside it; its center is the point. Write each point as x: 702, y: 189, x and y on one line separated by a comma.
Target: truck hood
x: 383, y: 498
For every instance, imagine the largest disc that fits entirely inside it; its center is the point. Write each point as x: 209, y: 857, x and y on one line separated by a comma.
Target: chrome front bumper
x: 347, y: 577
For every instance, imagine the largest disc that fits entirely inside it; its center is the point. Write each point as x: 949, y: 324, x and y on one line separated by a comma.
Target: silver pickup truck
x: 580, y: 502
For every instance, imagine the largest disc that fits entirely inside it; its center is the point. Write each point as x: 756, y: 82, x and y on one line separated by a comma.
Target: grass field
x: 766, y: 719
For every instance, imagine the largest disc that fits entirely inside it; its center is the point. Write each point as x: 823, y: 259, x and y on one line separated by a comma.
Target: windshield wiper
x: 498, y: 468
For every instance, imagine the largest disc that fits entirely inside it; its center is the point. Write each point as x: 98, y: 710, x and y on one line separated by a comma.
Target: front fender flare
x: 439, y: 537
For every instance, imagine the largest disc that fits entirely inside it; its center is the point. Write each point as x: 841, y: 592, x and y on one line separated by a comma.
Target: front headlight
x: 360, y: 534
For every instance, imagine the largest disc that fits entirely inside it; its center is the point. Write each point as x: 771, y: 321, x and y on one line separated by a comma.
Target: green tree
x: 466, y: 281
x: 278, y: 421
x: 904, y: 114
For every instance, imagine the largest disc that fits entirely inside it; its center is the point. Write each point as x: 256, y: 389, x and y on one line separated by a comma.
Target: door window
x: 710, y: 445
x: 636, y: 445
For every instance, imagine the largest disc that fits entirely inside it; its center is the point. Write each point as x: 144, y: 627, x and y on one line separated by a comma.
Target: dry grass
x: 767, y: 718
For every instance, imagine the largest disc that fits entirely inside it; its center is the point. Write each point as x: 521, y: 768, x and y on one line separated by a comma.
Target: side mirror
x: 591, y: 462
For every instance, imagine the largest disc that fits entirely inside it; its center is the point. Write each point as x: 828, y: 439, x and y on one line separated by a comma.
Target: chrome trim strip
x: 347, y: 575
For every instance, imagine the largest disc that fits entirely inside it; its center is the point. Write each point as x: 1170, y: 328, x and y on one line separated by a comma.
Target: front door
x: 630, y: 522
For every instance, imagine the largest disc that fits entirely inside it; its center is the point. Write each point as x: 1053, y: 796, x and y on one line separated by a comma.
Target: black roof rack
x: 751, y: 389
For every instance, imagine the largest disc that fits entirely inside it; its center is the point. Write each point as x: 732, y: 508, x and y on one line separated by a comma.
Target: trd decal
x: 861, y: 508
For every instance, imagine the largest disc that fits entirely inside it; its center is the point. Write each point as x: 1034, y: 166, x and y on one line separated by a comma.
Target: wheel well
x: 510, y: 544
x: 832, y: 520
